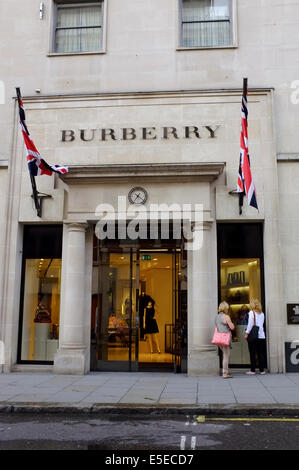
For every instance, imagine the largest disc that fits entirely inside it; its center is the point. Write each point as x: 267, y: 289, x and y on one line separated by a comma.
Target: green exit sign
x: 146, y: 257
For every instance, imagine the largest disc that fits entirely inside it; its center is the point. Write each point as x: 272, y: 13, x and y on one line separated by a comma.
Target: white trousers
x: 225, y: 358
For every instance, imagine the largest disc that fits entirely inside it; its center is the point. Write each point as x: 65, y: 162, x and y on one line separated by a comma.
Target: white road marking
x: 183, y: 442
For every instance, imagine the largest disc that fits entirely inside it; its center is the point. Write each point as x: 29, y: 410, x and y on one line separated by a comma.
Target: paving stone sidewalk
x: 119, y: 389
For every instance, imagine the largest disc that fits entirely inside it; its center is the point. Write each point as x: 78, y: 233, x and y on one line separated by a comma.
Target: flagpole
x: 37, y: 201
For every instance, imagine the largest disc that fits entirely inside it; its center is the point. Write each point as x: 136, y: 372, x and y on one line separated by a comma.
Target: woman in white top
x: 257, y: 347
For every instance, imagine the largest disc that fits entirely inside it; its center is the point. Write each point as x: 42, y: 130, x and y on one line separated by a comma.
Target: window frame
x: 252, y: 246
x: 33, y: 251
x: 55, y: 5
x: 233, y: 23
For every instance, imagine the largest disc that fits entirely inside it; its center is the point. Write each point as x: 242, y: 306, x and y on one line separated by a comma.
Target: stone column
x: 71, y: 355
x: 275, y: 307
x: 202, y: 286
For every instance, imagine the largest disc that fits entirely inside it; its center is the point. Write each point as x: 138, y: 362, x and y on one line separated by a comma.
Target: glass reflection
x: 240, y: 282
x: 116, y: 303
x: 40, y: 326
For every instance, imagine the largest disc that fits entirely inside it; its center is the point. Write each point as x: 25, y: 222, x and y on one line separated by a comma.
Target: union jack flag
x: 36, y: 165
x: 245, y: 182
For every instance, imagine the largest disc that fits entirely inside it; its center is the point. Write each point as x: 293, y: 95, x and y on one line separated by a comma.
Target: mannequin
x: 144, y: 299
x: 151, y: 327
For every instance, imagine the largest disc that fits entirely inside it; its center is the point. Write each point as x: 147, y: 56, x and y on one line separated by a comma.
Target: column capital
x: 73, y: 226
x: 205, y: 225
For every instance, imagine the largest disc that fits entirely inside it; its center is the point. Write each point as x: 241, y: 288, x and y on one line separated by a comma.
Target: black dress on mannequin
x: 151, y: 325
x: 144, y: 299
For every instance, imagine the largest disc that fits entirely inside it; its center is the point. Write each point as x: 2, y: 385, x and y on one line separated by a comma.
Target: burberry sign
x: 140, y: 133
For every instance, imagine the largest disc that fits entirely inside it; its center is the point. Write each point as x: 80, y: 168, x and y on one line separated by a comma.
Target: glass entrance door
x: 139, y: 316
x: 157, y: 309
x: 116, y: 325
x: 179, y: 279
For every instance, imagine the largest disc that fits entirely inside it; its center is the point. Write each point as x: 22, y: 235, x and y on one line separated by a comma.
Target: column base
x: 71, y: 361
x: 203, y: 362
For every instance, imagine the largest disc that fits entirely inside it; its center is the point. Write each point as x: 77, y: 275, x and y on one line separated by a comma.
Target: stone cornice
x: 154, y: 172
x: 145, y: 94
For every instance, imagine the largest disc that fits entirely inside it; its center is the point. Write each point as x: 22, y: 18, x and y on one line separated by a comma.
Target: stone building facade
x: 142, y: 99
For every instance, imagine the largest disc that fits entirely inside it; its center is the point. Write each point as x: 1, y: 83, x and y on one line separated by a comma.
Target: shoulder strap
x: 254, y: 317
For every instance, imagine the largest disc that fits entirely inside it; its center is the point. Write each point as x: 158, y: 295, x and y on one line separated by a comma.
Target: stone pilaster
x: 202, y: 356
x: 71, y: 357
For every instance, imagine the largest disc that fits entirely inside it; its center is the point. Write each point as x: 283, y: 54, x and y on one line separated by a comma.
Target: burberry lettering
x: 168, y: 133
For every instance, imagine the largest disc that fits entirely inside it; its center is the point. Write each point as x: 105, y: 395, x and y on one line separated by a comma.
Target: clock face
x: 137, y: 196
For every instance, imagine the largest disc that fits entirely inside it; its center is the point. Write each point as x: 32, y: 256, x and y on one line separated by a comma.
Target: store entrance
x: 139, y: 311
x: 159, y: 271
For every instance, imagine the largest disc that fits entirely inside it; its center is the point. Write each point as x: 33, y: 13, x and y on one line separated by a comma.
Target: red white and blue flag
x: 36, y: 165
x: 245, y: 181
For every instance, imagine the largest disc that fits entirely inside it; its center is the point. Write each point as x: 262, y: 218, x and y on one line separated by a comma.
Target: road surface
x: 119, y: 432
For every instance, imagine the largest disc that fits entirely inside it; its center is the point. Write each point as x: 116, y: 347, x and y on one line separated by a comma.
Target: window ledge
x: 288, y: 157
x: 62, y: 54
x: 205, y: 48
x: 3, y: 163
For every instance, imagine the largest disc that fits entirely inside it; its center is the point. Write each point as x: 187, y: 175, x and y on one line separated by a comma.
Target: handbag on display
x: 254, y: 333
x: 221, y: 339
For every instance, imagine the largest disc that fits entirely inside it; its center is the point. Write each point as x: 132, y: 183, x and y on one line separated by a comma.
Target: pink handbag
x: 221, y: 339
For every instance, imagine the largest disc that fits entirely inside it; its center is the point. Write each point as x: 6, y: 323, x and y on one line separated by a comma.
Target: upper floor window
x: 206, y: 23
x: 79, y: 27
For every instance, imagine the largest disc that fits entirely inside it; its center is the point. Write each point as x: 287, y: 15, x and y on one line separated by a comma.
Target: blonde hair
x: 256, y: 306
x: 223, y: 307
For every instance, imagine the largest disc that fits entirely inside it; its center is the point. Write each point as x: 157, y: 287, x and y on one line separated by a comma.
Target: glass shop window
x: 41, y: 309
x: 40, y: 294
x: 240, y: 282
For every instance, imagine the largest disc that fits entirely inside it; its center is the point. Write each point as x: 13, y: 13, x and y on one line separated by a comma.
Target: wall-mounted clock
x: 138, y: 196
